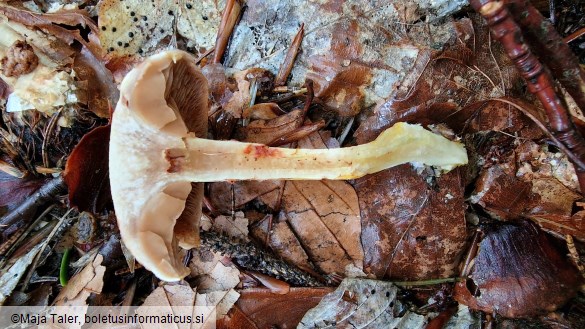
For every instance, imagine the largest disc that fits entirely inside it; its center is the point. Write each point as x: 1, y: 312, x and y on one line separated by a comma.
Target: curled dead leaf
x: 518, y: 272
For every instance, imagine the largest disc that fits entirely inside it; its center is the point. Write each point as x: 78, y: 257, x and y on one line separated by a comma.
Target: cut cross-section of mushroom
x: 155, y: 156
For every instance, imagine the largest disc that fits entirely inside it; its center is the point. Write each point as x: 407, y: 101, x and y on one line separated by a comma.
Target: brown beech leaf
x: 531, y: 182
x: 411, y: 230
x: 282, y: 240
x: 518, y: 272
x: 443, y: 84
x: 362, y: 303
x: 89, y: 281
x: 226, y: 196
x: 260, y: 308
x: 97, y: 83
x: 182, y: 300
x: 86, y: 171
x: 265, y: 131
x: 324, y: 215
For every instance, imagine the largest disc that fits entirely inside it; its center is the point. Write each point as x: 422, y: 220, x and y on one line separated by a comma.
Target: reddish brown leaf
x: 14, y: 190
x: 86, y: 171
x: 531, y: 182
x: 412, y: 229
x: 100, y: 91
x: 260, y: 308
x: 518, y: 272
x: 265, y: 131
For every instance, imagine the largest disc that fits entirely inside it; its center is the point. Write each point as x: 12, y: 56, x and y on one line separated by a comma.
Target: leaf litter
x: 374, y: 63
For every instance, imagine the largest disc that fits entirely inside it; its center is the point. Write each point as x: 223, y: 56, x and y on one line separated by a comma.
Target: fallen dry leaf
x: 282, y: 239
x: 209, y: 272
x: 14, y: 190
x: 89, y: 281
x: 356, y: 52
x: 235, y: 226
x: 532, y: 182
x: 260, y: 308
x: 443, y: 85
x: 181, y: 299
x: 362, y: 303
x: 265, y: 131
x: 411, y: 230
x: 518, y: 272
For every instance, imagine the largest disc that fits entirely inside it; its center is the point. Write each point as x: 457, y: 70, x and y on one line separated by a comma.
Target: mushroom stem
x: 207, y: 160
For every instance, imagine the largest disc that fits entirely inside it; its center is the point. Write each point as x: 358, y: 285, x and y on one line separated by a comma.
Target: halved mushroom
x: 157, y: 151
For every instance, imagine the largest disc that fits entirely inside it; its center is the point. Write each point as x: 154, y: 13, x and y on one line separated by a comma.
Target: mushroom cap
x: 162, y: 100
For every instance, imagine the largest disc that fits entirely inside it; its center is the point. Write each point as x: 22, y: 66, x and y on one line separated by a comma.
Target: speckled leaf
x: 132, y: 26
x: 362, y: 303
x: 411, y: 230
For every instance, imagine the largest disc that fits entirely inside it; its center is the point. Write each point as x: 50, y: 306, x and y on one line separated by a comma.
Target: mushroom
x: 158, y: 153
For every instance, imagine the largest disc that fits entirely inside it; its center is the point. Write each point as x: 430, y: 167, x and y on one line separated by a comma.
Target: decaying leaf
x: 235, y: 226
x: 442, y: 85
x: 282, y: 239
x: 183, y: 300
x: 463, y: 319
x: 11, y: 276
x: 14, y: 190
x: 323, y: 216
x: 210, y: 274
x: 518, y: 272
x: 86, y: 172
x: 356, y: 51
x: 413, y: 229
x: 136, y: 27
x: 362, y: 303
x: 89, y: 281
x: 528, y: 180
x: 211, y: 270
x: 260, y: 308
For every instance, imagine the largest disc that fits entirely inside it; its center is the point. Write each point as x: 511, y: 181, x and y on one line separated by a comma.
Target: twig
x: 230, y: 16
x: 425, y: 282
x: 539, y: 81
x: 28, y: 208
x: 575, y: 35
x: 63, y: 221
x: 289, y: 59
x: 557, y: 55
x: 20, y: 237
x: 46, y: 139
